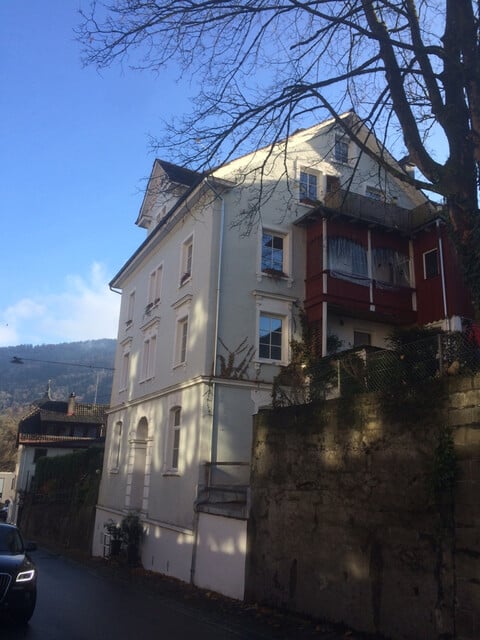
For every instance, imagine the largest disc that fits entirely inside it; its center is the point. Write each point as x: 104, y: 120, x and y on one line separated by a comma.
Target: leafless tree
x: 409, y: 68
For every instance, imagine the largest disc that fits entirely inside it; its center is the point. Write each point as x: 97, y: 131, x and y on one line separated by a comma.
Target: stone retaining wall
x: 345, y: 524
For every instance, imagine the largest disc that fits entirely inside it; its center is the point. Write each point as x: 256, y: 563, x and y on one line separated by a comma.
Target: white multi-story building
x: 210, y: 303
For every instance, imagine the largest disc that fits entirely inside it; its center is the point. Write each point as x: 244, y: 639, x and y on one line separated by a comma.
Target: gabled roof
x: 47, y: 410
x: 163, y: 174
x: 203, y: 183
x: 179, y: 175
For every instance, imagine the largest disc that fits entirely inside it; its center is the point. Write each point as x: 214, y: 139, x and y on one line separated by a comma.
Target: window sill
x: 279, y: 363
x: 185, y: 279
x: 175, y: 474
x: 274, y: 273
x: 113, y: 472
x: 344, y: 163
x: 307, y: 202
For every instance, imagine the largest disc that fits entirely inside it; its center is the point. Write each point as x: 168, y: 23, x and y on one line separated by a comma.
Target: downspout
x: 370, y: 269
x: 325, y: 266
x: 213, y: 445
x: 442, y: 274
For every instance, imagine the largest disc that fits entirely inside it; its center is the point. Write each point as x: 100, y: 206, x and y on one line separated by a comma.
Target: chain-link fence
x: 408, y: 365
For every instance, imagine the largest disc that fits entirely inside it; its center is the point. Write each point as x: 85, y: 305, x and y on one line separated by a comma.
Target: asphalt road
x: 77, y: 602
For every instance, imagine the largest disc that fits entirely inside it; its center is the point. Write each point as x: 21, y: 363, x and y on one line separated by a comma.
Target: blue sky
x: 74, y: 157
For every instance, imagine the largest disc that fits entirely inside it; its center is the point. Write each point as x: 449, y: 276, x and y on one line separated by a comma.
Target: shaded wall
x: 346, y: 525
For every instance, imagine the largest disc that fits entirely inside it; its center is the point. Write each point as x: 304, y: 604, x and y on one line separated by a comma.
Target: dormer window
x: 341, y: 149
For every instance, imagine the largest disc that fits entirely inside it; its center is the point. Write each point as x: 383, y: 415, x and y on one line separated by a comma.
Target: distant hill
x: 70, y: 367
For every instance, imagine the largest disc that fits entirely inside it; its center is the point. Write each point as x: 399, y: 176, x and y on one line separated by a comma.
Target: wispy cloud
x: 85, y: 310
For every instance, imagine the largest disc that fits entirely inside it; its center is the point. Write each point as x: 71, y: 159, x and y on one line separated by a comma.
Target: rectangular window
x: 131, y: 307
x: 341, y: 149
x: 115, y: 447
x: 148, y: 360
x: 430, y: 264
x: 308, y: 186
x: 187, y: 255
x: 270, y: 337
x: 181, y: 345
x: 361, y: 338
x: 272, y: 252
x: 155, y: 286
x: 125, y: 370
x: 174, y: 448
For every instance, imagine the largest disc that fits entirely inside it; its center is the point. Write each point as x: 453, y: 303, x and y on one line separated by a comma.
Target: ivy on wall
x: 75, y: 475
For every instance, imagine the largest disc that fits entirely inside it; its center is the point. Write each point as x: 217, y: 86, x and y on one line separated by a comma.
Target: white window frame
x: 181, y: 341
x: 430, y: 251
x: 279, y: 307
x: 130, y: 308
x: 125, y: 366
x: 115, y: 446
x: 287, y: 249
x: 309, y: 173
x: 275, y: 318
x: 341, y: 141
x: 182, y: 312
x: 186, y: 261
x: 174, y: 441
x: 155, y: 282
x: 149, y: 356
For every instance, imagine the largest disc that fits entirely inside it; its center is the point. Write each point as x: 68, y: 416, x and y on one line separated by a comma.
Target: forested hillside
x: 84, y: 368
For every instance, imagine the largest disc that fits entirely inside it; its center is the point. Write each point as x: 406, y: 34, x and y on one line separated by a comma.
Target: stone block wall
x: 345, y: 524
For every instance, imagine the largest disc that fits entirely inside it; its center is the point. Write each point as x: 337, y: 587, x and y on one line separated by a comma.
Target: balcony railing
x: 368, y: 209
x: 42, y: 438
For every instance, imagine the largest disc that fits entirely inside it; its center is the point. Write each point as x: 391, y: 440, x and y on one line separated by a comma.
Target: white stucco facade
x: 190, y: 368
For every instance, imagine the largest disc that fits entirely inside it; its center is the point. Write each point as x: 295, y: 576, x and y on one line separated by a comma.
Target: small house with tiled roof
x: 53, y: 428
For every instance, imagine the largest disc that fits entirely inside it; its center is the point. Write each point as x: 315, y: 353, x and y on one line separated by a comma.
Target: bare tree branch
x: 267, y: 67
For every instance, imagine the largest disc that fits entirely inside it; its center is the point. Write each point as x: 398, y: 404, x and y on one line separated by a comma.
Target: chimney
x: 71, y: 405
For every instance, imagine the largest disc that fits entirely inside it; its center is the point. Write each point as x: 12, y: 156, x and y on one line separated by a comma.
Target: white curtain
x: 391, y: 267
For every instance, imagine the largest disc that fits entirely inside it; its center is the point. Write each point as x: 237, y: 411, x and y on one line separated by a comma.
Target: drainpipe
x: 324, y: 285
x: 370, y: 269
x: 213, y: 445
x: 442, y: 274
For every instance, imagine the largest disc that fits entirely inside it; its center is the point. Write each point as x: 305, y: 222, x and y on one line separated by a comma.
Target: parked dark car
x: 18, y: 575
